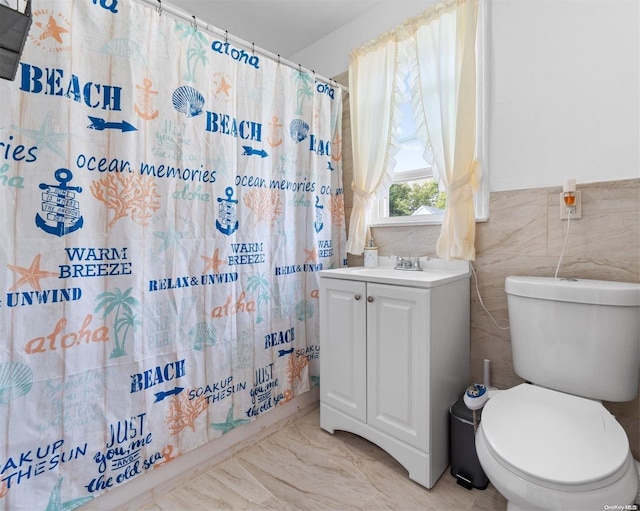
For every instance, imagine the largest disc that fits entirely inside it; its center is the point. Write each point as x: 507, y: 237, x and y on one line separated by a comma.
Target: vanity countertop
x: 435, y: 272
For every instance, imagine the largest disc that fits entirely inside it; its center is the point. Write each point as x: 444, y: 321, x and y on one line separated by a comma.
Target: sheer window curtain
x: 444, y: 84
x: 372, y: 96
x: 439, y: 47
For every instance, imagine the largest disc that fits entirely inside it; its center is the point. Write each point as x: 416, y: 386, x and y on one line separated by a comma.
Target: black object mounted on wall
x: 14, y: 28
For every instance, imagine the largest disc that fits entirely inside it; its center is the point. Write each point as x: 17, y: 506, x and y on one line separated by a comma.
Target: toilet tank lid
x: 600, y: 292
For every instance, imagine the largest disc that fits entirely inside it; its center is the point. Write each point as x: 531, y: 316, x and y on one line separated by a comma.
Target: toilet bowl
x: 548, y: 450
x: 550, y: 444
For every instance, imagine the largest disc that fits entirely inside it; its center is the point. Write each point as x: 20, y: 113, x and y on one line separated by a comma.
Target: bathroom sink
x: 435, y: 272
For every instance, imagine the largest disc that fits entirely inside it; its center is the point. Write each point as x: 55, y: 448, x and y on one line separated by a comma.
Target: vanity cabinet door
x: 343, y: 346
x: 398, y: 362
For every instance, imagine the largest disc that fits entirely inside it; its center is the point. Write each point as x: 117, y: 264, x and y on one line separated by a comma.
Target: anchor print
x: 59, y: 204
x: 274, y: 139
x: 145, y: 96
x: 228, y: 222
x: 318, y: 224
x: 336, y: 148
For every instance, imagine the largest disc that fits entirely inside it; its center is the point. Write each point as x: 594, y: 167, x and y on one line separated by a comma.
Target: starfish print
x: 56, y: 504
x: 312, y: 255
x: 30, y: 275
x: 52, y: 30
x: 212, y: 263
x: 229, y: 424
x: 171, y: 238
x: 223, y: 87
x: 45, y: 137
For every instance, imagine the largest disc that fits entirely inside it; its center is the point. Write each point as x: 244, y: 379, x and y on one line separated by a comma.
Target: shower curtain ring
x: 253, y: 48
x: 159, y: 8
x: 195, y: 23
x: 226, y: 36
x: 278, y: 59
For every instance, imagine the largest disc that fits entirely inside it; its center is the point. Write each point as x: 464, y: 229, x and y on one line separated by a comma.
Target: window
x: 415, y: 196
x: 415, y: 193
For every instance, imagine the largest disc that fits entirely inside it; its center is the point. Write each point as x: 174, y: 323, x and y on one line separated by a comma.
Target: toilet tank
x: 576, y: 336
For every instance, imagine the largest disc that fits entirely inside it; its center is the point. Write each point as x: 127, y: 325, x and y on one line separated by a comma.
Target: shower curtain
x: 168, y: 200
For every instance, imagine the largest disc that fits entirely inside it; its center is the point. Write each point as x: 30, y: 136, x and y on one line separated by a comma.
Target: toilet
x: 550, y: 444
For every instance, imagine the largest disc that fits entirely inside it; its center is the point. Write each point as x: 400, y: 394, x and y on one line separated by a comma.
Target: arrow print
x: 100, y: 125
x: 166, y: 393
x: 250, y: 151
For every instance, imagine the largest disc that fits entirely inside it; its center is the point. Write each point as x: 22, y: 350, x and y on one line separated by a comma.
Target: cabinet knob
x: 357, y: 297
x: 369, y: 299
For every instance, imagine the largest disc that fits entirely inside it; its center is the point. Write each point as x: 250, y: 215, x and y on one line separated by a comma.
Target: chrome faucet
x: 408, y: 264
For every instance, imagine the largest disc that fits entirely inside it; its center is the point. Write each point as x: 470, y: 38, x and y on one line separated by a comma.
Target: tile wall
x: 524, y: 236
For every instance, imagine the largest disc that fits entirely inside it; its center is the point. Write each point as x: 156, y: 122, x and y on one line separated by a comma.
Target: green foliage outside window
x: 405, y: 199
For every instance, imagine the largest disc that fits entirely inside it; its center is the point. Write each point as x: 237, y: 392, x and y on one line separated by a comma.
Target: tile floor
x: 302, y: 467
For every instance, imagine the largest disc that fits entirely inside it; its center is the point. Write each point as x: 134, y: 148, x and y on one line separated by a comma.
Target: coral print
x: 296, y: 367
x: 337, y: 210
x: 169, y: 200
x: 266, y: 204
x: 127, y: 195
x: 183, y: 412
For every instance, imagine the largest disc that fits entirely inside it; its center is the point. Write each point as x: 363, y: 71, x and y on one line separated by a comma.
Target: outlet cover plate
x: 578, y: 205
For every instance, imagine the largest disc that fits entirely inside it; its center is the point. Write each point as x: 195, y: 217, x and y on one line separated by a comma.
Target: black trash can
x: 465, y: 466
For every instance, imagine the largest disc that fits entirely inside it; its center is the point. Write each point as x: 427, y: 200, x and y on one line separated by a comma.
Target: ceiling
x: 282, y: 27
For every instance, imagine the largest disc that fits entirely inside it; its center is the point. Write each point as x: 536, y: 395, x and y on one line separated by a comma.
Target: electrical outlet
x: 578, y: 208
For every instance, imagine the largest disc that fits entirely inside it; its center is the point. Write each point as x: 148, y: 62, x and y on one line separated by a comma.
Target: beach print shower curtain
x: 168, y: 199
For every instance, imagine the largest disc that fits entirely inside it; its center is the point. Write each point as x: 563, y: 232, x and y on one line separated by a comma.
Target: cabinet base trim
x: 419, y: 464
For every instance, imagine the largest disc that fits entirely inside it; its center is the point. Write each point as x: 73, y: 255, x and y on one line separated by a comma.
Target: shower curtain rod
x: 179, y: 13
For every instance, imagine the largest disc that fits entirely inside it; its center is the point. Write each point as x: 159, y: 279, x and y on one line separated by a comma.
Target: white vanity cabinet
x: 394, y: 348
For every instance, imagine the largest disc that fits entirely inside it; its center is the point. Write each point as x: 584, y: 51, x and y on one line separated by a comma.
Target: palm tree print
x: 196, y: 49
x: 261, y: 284
x: 128, y: 321
x: 123, y: 304
x: 305, y: 89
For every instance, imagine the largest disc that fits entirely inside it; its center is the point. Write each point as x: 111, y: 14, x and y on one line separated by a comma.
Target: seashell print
x: 203, y: 335
x: 188, y: 101
x: 304, y: 310
x: 299, y: 130
x: 16, y: 380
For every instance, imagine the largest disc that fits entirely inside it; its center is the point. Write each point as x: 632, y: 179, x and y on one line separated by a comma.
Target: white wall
x: 564, y: 88
x: 563, y: 80
x: 330, y: 56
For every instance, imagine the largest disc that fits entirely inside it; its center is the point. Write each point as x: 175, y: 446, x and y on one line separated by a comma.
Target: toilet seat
x: 555, y: 440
